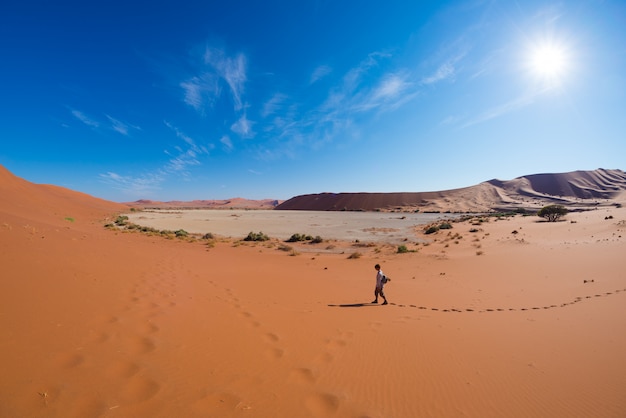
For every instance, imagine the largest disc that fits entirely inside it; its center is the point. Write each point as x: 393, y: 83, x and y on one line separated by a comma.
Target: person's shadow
x: 353, y: 305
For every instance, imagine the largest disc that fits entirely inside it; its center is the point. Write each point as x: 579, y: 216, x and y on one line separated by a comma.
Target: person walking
x: 381, y: 279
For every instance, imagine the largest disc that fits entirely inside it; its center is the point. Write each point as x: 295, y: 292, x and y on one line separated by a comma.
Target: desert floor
x: 506, y: 317
x: 389, y: 227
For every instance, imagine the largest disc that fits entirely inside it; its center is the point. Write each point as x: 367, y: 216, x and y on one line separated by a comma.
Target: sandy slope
x: 575, y: 189
x: 490, y: 323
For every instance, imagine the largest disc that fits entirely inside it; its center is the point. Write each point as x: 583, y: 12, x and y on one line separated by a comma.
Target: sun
x: 548, y: 61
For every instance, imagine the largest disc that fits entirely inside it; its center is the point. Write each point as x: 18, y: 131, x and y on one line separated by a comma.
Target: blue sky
x: 191, y: 100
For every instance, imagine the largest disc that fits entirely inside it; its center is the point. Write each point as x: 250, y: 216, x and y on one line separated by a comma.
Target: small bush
x: 121, y: 220
x: 181, y: 233
x: 260, y: 236
x: 354, y: 256
x: 284, y: 247
x: 431, y: 230
x: 445, y: 225
x: 402, y: 249
x: 317, y: 240
x: 208, y: 235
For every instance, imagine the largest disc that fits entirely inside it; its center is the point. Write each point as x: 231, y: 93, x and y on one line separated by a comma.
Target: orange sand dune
x: 493, y: 318
x: 575, y: 189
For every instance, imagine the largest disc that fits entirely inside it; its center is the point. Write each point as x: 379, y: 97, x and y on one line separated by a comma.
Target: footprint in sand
x: 302, y: 375
x: 139, y: 389
x: 150, y: 328
x: 87, y: 407
x: 69, y: 360
x: 122, y: 369
x: 218, y: 403
x: 274, y: 353
x: 140, y: 345
x: 322, y: 404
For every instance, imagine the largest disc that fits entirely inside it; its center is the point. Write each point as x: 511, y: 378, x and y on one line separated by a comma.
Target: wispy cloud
x: 185, y: 157
x: 121, y: 127
x: 273, y: 105
x: 505, y: 108
x: 444, y: 71
x: 243, y: 127
x: 144, y: 186
x: 201, y: 91
x: 204, y: 88
x: 111, y: 123
x: 233, y: 70
x: 180, y: 160
x: 85, y: 119
x: 228, y: 144
x: 319, y: 73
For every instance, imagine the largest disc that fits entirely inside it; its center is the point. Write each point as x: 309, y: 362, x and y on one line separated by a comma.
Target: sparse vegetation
x: 552, y: 213
x: 302, y: 237
x: 402, y: 249
x: 253, y: 236
x: 317, y: 240
x: 431, y: 230
x: 354, y: 256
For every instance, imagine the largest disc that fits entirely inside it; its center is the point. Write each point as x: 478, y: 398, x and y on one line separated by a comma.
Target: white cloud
x: 444, y: 71
x: 243, y: 127
x: 201, y: 91
x: 85, y: 119
x: 228, y: 144
x: 319, y: 73
x: 186, y: 157
x: 120, y: 127
x: 143, y: 186
x: 230, y: 69
x: 273, y: 105
x: 505, y: 108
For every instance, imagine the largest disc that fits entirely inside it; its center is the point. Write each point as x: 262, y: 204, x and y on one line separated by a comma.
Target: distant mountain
x: 573, y: 189
x: 234, y: 203
x: 578, y: 189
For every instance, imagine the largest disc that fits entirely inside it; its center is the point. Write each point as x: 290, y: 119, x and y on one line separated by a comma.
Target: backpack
x: 384, y: 280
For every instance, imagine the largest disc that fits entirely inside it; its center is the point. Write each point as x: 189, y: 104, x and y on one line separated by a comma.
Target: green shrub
x: 552, y: 212
x: 445, y: 225
x: 431, y: 230
x: 121, y: 220
x: 260, y: 236
x: 402, y: 249
x: 297, y: 238
x: 317, y: 240
x: 181, y: 233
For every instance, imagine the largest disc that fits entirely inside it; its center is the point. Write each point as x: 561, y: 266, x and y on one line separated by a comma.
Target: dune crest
x: 573, y: 189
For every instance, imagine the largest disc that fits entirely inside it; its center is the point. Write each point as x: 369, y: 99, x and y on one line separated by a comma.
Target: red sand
x: 99, y: 323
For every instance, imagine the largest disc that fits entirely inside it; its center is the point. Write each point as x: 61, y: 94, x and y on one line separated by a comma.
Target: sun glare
x: 548, y: 62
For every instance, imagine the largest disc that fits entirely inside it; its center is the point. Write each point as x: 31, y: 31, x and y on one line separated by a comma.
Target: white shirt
x: 379, y: 278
